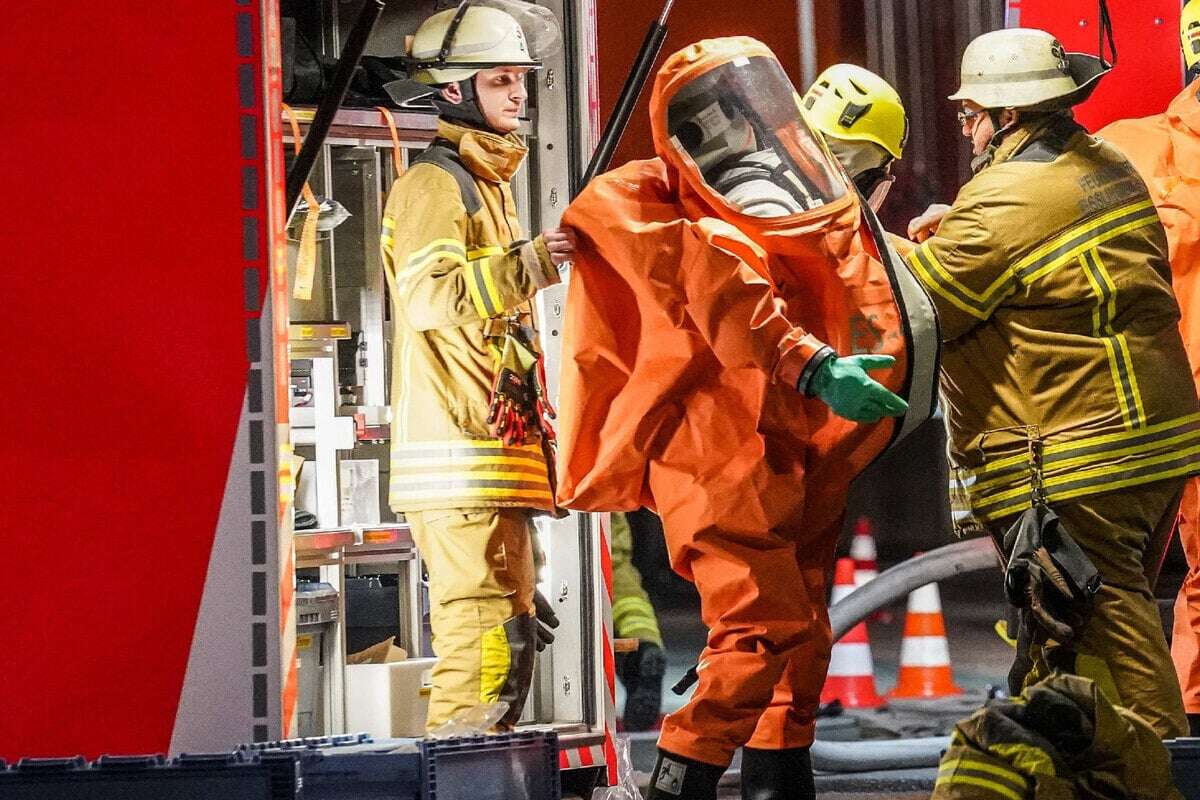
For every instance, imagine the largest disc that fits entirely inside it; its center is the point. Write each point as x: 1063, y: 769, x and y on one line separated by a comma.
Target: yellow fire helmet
x: 849, y: 102
x: 1189, y: 34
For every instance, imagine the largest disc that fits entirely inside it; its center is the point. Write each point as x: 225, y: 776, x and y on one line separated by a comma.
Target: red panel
x: 124, y: 290
x: 1149, y: 69
x: 620, y: 28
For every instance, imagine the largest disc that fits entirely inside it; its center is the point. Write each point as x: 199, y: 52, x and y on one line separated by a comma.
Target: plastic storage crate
x: 356, y: 767
x: 1185, y: 766
x: 228, y: 776
x: 501, y: 767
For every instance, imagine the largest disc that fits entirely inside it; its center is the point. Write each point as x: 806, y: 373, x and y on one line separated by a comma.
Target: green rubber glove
x: 844, y: 386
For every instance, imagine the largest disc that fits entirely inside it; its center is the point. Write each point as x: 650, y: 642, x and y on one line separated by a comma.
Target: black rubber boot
x: 642, y: 673
x: 777, y: 774
x: 679, y: 778
x: 1194, y: 723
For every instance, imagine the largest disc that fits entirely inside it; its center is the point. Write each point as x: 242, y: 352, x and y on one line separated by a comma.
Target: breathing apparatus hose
x: 891, y: 585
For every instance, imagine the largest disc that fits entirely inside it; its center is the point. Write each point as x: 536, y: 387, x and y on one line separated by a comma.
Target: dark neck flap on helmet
x: 468, y: 112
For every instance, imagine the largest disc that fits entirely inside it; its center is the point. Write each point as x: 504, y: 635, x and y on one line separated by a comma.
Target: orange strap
x: 306, y: 258
x: 397, y: 153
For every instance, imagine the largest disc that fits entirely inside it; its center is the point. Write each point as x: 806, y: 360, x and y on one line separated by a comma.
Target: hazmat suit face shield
x: 740, y: 131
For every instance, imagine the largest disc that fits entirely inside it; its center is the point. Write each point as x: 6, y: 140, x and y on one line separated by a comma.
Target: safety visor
x: 543, y: 38
x: 740, y: 125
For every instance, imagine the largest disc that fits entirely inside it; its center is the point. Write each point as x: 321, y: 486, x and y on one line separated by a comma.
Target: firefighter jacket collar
x: 489, y: 156
x: 1008, y: 143
x: 794, y: 234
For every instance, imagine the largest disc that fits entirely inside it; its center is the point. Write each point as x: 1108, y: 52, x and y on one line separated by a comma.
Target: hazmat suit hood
x: 727, y: 124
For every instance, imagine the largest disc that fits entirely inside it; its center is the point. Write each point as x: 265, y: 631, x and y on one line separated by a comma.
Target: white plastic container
x: 388, y: 700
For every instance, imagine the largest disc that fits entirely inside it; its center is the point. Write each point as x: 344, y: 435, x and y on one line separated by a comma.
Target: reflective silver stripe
x: 535, y: 468
x: 411, y: 485
x: 940, y: 280
x: 1144, y: 213
x: 414, y: 451
x: 1135, y: 475
x: 1008, y: 77
x: 489, y: 302
x: 1140, y: 441
x: 924, y: 342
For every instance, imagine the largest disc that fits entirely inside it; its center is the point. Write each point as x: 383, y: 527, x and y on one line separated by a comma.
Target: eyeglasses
x: 965, y: 116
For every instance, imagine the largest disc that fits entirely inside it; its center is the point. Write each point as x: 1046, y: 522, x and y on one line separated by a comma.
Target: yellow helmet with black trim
x: 849, y: 102
x: 1189, y: 34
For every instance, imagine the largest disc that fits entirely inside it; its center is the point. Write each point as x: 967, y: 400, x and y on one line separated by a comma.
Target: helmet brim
x: 1087, y: 72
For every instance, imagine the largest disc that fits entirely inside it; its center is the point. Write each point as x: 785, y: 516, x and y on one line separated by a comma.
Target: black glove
x: 547, y: 620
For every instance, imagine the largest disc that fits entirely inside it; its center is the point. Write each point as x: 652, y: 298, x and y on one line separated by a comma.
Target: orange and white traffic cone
x: 862, y: 550
x: 851, y: 677
x: 924, y: 654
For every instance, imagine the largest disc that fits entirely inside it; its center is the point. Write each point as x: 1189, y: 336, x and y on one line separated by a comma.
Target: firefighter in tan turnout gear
x: 1052, y: 284
x: 470, y: 460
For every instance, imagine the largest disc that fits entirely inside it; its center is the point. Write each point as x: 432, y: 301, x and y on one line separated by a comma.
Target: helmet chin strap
x: 466, y: 112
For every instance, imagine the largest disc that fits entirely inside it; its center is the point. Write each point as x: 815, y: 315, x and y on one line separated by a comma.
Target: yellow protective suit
x: 1165, y: 150
x: 690, y: 325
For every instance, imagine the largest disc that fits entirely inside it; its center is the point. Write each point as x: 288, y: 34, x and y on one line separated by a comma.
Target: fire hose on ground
x: 890, y: 586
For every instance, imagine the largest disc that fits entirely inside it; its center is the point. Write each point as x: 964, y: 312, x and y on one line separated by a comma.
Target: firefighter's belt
x: 1049, y: 574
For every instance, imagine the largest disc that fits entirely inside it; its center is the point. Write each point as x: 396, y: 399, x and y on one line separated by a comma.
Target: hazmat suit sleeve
x: 738, y: 313
x: 964, y: 268
x: 441, y: 283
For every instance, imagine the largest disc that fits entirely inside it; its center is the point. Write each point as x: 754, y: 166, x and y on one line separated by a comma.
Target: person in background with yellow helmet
x: 863, y: 121
x: 469, y: 461
x: 1165, y: 150
x: 1059, y: 329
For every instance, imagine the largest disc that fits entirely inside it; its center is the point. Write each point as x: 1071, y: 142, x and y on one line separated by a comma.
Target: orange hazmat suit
x: 1165, y: 150
x: 689, y: 327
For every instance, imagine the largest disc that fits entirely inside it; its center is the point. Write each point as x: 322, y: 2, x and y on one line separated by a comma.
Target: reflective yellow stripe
x: 935, y: 276
x: 513, y: 465
x: 1098, y: 329
x: 1127, y: 356
x: 421, y: 495
x: 634, y: 617
x: 1114, y: 369
x: 1093, y: 479
x: 496, y: 301
x: 1120, y: 360
x: 468, y: 479
x: 448, y: 245
x: 969, y: 761
x: 476, y: 290
x: 982, y: 783
x: 482, y: 256
x: 1084, y: 460
x: 1055, y: 450
x: 1030, y: 760
x: 1067, y: 246
x: 462, y: 445
x: 1111, y: 309
x: 494, y: 663
x: 1102, y: 316
x: 479, y: 280
x: 389, y: 223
